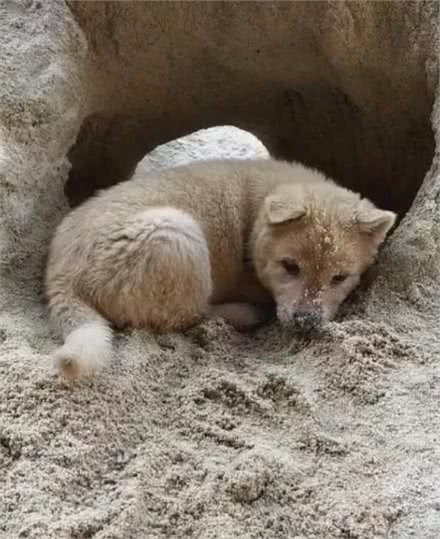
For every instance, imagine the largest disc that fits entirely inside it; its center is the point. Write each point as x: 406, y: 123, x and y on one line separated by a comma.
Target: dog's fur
x: 221, y: 238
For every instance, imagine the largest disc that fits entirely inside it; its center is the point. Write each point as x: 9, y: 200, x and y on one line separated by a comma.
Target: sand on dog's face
x: 312, y: 246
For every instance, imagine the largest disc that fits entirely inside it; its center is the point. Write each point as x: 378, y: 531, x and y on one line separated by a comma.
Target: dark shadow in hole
x: 384, y: 155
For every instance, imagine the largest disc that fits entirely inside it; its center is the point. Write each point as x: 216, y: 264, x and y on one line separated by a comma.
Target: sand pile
x: 213, y: 434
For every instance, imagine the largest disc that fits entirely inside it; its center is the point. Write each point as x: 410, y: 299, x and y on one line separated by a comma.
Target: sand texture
x: 213, y: 434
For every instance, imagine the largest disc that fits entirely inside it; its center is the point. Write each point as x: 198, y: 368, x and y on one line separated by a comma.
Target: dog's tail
x: 87, y: 335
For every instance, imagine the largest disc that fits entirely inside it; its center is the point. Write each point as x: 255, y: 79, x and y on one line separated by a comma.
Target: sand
x: 210, y: 434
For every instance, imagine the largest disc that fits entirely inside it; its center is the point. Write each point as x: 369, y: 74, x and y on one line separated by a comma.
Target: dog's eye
x: 340, y: 278
x: 290, y: 266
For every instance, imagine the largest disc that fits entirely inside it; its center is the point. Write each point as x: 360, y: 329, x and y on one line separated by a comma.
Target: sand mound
x: 213, y: 434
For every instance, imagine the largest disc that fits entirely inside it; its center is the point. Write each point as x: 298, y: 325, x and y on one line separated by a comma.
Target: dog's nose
x: 307, y: 320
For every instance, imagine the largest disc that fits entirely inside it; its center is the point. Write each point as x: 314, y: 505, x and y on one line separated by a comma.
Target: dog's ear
x: 374, y: 222
x: 280, y: 210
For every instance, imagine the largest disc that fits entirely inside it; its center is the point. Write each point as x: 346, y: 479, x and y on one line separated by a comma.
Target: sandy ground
x: 211, y: 434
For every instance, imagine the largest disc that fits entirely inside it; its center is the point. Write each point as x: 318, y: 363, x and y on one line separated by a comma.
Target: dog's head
x: 311, y: 245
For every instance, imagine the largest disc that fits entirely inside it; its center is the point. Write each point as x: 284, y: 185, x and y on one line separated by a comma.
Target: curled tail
x: 87, y: 335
